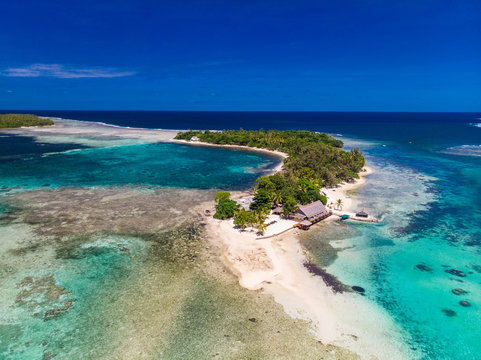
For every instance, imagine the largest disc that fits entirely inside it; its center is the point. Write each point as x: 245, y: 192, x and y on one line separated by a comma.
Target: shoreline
x: 342, y: 191
x: 278, y: 153
x: 276, y: 266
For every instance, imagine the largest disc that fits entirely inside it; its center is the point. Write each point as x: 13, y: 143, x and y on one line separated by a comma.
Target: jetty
x: 358, y: 216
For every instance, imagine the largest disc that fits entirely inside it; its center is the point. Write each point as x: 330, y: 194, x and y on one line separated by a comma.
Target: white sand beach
x: 343, y: 191
x: 280, y: 154
x: 276, y: 266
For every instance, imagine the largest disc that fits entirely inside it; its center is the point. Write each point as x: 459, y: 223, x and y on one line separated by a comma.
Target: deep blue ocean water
x: 429, y: 128
x: 426, y: 189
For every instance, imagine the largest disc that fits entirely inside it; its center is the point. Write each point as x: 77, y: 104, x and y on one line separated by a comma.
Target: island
x: 258, y: 232
x: 23, y: 120
x: 312, y: 160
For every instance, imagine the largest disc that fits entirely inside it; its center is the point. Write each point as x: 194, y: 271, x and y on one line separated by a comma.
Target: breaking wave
x: 466, y: 150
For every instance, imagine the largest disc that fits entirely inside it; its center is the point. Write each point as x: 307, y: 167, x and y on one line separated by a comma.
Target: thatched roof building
x: 311, y: 211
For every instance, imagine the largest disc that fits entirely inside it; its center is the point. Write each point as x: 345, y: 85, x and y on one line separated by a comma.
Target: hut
x: 362, y: 214
x: 277, y: 211
x: 194, y: 138
x: 312, y: 211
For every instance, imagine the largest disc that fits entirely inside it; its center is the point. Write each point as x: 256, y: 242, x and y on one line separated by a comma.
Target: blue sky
x: 365, y: 55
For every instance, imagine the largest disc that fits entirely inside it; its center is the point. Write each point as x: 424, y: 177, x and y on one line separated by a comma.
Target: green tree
x: 19, y: 120
x: 260, y: 218
x: 242, y: 219
x: 289, y: 205
x: 323, y: 199
x: 261, y: 228
x: 222, y: 196
x: 314, y: 194
x: 225, y: 209
x: 306, y: 173
x: 339, y: 204
x: 265, y: 182
x: 261, y: 201
x: 276, y: 197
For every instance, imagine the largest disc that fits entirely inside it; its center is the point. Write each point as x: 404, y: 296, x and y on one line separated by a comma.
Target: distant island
x: 21, y: 120
x: 313, y: 160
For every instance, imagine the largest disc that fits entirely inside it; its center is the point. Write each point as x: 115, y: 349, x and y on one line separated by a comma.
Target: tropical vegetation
x: 225, y: 208
x: 315, y: 156
x: 314, y: 160
x: 20, y: 120
x: 339, y: 204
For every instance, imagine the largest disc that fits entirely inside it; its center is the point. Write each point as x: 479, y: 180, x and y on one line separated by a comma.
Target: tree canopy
x: 315, y: 160
x: 225, y: 207
x: 19, y: 120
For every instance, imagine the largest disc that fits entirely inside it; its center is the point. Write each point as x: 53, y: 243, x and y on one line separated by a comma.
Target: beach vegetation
x: 314, y: 156
x: 323, y: 199
x: 21, y: 120
x: 244, y: 218
x: 222, y: 196
x: 315, y: 160
x: 276, y: 197
x: 261, y: 201
x: 265, y: 139
x: 339, y: 204
x: 225, y: 208
x: 260, y: 220
x: 289, y: 205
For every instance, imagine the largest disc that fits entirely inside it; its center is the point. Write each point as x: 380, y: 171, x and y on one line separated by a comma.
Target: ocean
x: 425, y: 188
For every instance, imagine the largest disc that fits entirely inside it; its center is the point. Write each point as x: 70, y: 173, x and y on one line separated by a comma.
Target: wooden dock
x: 352, y: 216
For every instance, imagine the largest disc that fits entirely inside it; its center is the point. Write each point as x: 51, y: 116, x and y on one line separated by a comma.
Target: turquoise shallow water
x: 159, y: 164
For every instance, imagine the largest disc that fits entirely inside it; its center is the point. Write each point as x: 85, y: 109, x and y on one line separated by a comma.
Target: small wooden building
x: 312, y: 211
x: 362, y: 214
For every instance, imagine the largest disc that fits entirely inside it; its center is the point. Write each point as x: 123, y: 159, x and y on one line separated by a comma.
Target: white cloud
x: 62, y: 72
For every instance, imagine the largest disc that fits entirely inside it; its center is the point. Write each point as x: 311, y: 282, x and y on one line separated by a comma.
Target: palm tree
x: 261, y: 228
x: 260, y: 221
x: 302, y: 187
x: 241, y: 221
x: 276, y: 197
x: 237, y: 210
x: 260, y: 217
x: 339, y: 204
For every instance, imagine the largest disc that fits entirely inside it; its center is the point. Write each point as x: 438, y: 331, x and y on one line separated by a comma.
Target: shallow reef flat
x: 128, y: 273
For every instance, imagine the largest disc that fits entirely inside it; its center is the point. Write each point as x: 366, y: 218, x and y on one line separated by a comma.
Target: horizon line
x: 250, y: 111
